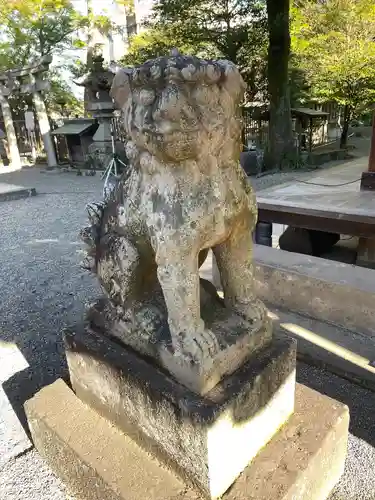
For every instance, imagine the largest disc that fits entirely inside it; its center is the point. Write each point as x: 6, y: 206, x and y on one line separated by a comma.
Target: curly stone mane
x: 181, y: 107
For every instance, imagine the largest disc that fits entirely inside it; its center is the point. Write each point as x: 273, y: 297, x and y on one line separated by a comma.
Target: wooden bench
x: 318, y: 219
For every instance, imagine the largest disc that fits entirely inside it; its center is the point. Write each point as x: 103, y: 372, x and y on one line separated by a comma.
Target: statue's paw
x: 199, y: 345
x: 254, y: 312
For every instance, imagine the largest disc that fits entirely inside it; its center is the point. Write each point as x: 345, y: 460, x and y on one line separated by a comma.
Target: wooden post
x: 366, y: 246
x: 368, y: 178
x: 371, y: 161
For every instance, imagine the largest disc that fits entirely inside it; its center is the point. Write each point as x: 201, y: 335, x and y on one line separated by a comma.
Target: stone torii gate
x: 28, y: 80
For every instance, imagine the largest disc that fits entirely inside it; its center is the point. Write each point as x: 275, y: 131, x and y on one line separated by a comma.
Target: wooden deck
x: 329, y: 201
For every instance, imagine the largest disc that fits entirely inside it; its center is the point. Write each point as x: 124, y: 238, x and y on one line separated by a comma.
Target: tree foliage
x: 127, y: 4
x: 34, y: 28
x: 31, y: 29
x: 232, y: 29
x: 226, y: 24
x: 334, y: 43
x: 60, y: 98
x: 159, y: 41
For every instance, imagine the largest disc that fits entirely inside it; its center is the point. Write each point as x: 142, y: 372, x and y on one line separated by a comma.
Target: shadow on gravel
x: 24, y: 384
x: 361, y: 402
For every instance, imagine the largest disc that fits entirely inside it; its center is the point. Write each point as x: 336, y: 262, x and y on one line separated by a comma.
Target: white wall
x: 142, y: 9
x: 114, y: 47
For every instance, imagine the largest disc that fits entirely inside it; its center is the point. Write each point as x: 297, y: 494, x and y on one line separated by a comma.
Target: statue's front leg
x: 179, y: 278
x: 235, y: 263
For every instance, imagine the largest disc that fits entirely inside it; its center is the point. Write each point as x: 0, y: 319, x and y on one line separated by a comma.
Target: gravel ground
x: 43, y: 290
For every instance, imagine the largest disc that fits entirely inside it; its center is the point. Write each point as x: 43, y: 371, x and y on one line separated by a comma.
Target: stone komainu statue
x: 185, y: 193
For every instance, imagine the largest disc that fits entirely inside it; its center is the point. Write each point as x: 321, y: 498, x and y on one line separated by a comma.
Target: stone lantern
x: 98, y: 84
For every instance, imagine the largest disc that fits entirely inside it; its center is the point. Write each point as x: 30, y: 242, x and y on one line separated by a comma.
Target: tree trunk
x: 345, y: 127
x: 89, y: 54
x: 281, y: 149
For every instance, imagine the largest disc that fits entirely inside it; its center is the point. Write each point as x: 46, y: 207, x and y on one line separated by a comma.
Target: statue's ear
x: 120, y: 89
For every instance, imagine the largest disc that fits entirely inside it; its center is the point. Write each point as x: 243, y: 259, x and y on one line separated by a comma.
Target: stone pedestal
x: 96, y: 460
x: 201, y: 437
x: 238, y: 339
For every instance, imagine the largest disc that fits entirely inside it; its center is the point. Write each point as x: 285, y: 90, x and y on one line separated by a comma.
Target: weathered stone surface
x: 306, y: 458
x: 184, y: 192
x: 366, y: 253
x: 97, y: 83
x: 201, y: 437
x: 237, y: 339
x: 97, y: 461
x: 93, y: 458
x: 98, y: 102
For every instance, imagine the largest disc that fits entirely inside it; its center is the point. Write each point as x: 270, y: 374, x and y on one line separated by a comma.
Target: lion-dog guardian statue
x: 184, y: 193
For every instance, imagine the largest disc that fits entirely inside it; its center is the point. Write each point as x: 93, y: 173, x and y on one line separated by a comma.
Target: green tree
x: 158, y: 41
x: 34, y: 28
x: 60, y: 98
x: 334, y: 44
x: 31, y: 29
x: 232, y: 29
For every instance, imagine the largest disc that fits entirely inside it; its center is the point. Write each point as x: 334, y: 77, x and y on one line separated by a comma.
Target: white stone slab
x: 13, y: 438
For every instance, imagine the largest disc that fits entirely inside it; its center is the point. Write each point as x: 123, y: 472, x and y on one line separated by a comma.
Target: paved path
x: 336, y: 189
x: 43, y: 290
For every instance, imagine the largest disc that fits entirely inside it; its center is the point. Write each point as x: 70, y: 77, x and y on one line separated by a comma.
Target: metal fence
x: 255, y: 128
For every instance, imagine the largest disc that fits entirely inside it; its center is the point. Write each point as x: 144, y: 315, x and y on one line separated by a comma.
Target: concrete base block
x: 200, y: 437
x: 97, y: 461
x: 237, y: 338
x: 329, y: 291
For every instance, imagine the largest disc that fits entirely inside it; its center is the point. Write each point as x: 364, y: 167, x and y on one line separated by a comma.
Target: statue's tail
x: 91, y: 235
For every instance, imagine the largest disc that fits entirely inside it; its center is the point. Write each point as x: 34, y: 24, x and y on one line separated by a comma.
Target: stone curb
x: 17, y: 194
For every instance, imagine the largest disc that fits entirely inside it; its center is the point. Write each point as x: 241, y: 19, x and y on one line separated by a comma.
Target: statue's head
x: 176, y: 107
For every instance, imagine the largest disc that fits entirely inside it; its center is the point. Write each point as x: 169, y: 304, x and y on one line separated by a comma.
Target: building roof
x: 74, y: 127
x: 259, y: 113
x: 309, y: 112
